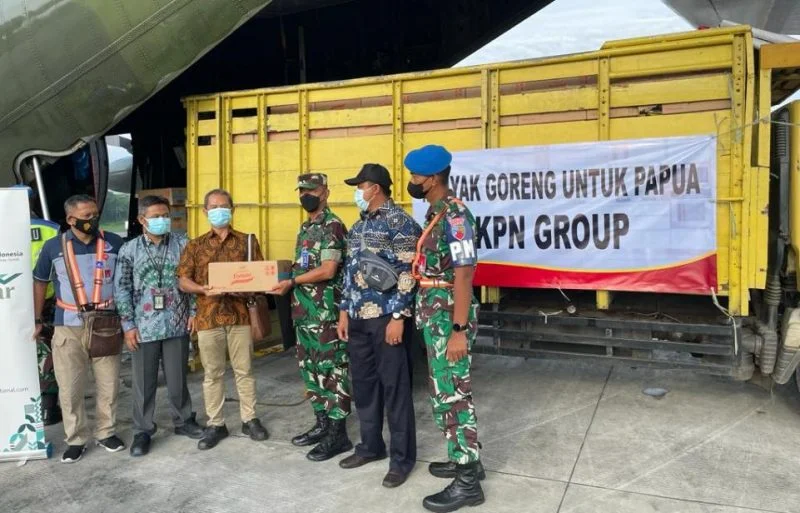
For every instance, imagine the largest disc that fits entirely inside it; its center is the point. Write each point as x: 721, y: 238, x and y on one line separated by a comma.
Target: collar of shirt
x: 380, y: 211
x: 150, y: 242
x: 211, y: 234
x: 319, y: 218
x: 438, y: 206
x: 71, y: 236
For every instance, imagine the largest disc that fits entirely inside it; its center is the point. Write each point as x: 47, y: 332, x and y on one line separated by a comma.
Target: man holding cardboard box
x: 316, y: 284
x: 222, y: 319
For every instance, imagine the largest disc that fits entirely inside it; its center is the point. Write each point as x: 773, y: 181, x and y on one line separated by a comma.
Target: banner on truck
x: 633, y: 215
x: 21, y: 427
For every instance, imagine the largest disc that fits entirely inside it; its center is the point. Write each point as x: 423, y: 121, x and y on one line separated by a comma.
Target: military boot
x: 448, y: 469
x: 335, y: 442
x: 316, y: 433
x: 51, y: 411
x: 465, y: 490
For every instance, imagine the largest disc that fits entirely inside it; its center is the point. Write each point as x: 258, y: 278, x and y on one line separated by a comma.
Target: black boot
x: 448, y: 470
x: 465, y: 490
x: 335, y: 442
x: 316, y: 433
x: 51, y: 411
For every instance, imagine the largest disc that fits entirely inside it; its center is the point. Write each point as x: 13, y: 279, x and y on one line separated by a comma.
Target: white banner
x: 21, y: 428
x: 617, y: 215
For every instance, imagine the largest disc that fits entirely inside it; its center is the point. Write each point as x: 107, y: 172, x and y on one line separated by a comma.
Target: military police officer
x: 316, y: 284
x: 447, y: 315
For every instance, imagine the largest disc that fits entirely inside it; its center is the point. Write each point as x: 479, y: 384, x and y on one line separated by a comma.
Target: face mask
x: 309, y: 202
x: 416, y: 190
x: 219, y: 217
x: 158, y: 225
x: 361, y: 203
x: 88, y: 226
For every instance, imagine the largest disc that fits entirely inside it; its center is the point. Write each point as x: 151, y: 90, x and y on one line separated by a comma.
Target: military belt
x: 434, y: 283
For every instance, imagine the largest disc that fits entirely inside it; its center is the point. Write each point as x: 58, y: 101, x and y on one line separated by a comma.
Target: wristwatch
x: 397, y: 316
x: 37, y: 321
x: 458, y: 328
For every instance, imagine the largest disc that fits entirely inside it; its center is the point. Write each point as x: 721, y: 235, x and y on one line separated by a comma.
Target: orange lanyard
x: 74, y: 275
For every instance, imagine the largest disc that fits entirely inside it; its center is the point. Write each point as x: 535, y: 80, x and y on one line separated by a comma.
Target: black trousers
x: 382, y: 380
x: 173, y: 355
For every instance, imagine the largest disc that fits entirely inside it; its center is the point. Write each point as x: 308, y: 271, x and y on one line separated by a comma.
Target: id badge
x: 304, y: 258
x: 159, y: 300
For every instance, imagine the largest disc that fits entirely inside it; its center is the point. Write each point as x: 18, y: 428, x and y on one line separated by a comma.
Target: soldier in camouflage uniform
x: 316, y: 284
x: 447, y: 315
x: 42, y: 231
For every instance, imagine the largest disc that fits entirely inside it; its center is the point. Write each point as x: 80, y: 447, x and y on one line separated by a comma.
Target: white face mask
x: 361, y: 202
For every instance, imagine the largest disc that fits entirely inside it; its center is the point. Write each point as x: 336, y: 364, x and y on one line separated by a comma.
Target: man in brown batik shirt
x: 222, y: 320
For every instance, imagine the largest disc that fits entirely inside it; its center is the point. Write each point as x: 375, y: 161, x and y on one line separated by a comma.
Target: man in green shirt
x: 316, y: 285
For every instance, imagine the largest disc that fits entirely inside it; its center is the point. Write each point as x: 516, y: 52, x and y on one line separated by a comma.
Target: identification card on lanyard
x: 304, y: 255
x: 159, y: 299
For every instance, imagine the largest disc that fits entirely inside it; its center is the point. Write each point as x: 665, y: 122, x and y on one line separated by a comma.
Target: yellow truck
x: 713, y: 87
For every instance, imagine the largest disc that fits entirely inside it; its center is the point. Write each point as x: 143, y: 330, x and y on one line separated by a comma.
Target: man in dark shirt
x: 222, y: 320
x: 375, y: 323
x: 70, y: 340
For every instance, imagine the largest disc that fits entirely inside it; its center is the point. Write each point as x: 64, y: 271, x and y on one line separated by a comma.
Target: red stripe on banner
x: 692, y: 278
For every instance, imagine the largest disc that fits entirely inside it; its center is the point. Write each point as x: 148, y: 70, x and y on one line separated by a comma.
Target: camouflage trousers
x: 325, y: 368
x: 47, y: 373
x: 451, y: 384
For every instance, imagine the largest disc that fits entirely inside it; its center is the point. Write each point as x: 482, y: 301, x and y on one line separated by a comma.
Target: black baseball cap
x: 374, y: 173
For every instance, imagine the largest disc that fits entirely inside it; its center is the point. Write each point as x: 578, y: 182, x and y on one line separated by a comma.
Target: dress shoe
x: 394, y: 478
x: 191, y: 429
x: 447, y: 470
x: 335, y: 442
x: 211, y: 437
x: 355, y: 461
x: 316, y: 433
x: 255, y: 430
x: 140, y: 445
x: 465, y: 490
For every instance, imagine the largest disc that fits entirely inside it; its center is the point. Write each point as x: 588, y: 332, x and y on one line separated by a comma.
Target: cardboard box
x: 178, y: 220
x: 175, y: 195
x: 259, y: 276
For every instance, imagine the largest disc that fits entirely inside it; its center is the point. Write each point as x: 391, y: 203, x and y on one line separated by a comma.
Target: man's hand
x: 456, y: 347
x: 37, y: 330
x: 132, y: 340
x: 343, y: 328
x: 282, y: 287
x: 190, y: 325
x: 211, y: 291
x: 394, y: 332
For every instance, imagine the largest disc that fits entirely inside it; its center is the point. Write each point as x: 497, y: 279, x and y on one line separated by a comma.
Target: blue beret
x: 428, y: 160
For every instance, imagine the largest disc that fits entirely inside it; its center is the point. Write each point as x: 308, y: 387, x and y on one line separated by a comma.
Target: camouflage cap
x: 311, y: 181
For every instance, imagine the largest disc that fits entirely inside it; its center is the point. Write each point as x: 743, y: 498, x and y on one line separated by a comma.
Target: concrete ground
x: 557, y: 437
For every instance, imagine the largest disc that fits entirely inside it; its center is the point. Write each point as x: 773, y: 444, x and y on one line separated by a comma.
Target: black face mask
x: 309, y: 202
x: 88, y: 226
x: 416, y: 191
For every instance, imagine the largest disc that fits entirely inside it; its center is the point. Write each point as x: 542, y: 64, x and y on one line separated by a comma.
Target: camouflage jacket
x: 319, y: 239
x: 450, y: 244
